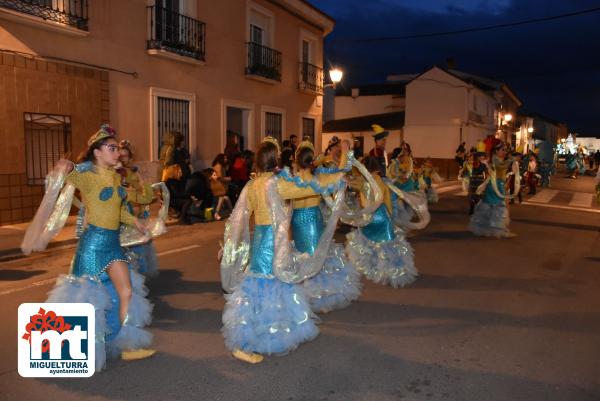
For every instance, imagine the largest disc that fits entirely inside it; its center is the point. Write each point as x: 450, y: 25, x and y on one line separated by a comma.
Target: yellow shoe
x: 136, y: 354
x: 247, y: 357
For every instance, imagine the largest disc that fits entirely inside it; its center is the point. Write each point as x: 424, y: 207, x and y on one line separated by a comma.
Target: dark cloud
x: 553, y: 66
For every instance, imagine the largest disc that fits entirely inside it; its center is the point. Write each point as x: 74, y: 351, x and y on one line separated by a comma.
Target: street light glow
x: 508, y: 117
x: 336, y: 75
x: 530, y: 129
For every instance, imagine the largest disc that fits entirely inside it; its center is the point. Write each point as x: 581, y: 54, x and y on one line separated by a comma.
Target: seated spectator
x: 199, y: 198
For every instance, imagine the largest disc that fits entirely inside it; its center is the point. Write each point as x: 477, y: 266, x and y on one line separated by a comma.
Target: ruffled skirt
x: 145, y: 259
x: 111, y: 337
x: 336, y: 285
x: 388, y: 262
x: 267, y: 316
x: 490, y: 218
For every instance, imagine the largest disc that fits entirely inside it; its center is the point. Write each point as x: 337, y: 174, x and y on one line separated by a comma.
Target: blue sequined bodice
x: 261, y: 254
x: 380, y: 228
x: 491, y: 197
x: 307, y: 228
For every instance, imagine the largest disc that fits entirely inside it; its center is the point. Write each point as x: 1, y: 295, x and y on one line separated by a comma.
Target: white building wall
x: 348, y: 107
x: 437, y: 106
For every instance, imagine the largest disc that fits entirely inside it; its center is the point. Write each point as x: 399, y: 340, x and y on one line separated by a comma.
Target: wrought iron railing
x: 310, y: 77
x: 69, y: 12
x: 176, y: 33
x: 263, y: 61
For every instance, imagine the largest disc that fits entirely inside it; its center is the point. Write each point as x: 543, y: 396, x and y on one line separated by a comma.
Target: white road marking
x: 580, y: 209
x: 53, y: 279
x: 581, y: 199
x: 185, y: 248
x: 544, y: 196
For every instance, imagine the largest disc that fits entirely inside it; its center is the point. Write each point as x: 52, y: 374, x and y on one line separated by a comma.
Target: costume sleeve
x: 140, y: 196
x: 294, y: 187
x: 77, y: 179
x: 126, y: 217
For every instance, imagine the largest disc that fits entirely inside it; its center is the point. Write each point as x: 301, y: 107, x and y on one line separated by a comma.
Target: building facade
x: 207, y: 69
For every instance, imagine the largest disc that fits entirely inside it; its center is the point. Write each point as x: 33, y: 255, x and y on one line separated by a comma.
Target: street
x: 487, y: 319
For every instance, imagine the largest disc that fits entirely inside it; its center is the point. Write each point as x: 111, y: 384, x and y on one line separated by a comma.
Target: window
x: 273, y: 126
x: 173, y: 115
x: 256, y: 34
x: 47, y: 140
x: 306, y: 56
x: 308, y: 128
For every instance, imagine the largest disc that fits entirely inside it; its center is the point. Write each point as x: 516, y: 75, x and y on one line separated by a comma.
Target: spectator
x: 232, y: 148
x: 198, y: 198
x: 170, y: 170
x: 219, y: 193
x: 293, y: 143
x: 182, y: 156
x: 287, y: 158
x: 220, y: 165
x: 597, y: 158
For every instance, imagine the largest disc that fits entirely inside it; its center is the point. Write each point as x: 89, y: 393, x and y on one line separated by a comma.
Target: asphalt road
x: 487, y: 320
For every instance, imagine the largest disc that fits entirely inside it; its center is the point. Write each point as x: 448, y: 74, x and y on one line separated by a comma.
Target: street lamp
x: 336, y: 76
x: 508, y: 117
x: 530, y: 130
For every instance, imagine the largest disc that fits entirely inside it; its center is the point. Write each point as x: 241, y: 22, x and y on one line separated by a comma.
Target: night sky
x: 553, y: 66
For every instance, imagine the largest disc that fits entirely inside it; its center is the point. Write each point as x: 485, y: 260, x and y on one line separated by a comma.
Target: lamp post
x: 335, y: 74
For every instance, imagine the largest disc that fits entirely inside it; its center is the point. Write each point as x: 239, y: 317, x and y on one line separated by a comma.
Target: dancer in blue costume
x: 338, y: 283
x: 100, y: 273
x: 379, y: 250
x: 429, y: 176
x: 139, y: 196
x: 491, y: 218
x: 266, y: 311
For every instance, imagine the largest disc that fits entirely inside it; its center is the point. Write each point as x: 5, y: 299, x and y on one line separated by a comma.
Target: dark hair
x: 286, y: 143
x: 286, y: 157
x: 305, y: 157
x: 266, y: 157
x: 88, y: 155
x: 396, y: 152
x: 293, y: 136
x: 220, y: 159
x: 371, y: 164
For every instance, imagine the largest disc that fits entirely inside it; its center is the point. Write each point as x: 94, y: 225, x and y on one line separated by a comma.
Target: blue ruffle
x: 111, y: 337
x: 144, y: 258
x: 267, y: 316
x: 390, y: 262
x: 313, y: 184
x: 490, y: 220
x: 72, y: 289
x: 336, y: 285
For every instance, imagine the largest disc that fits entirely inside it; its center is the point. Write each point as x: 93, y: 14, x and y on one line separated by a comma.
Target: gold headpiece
x: 481, y: 147
x: 305, y: 144
x: 105, y: 131
x: 273, y: 141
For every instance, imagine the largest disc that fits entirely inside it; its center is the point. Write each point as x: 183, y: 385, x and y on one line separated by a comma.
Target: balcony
x: 174, y: 33
x: 263, y: 62
x: 310, y: 78
x: 72, y: 14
